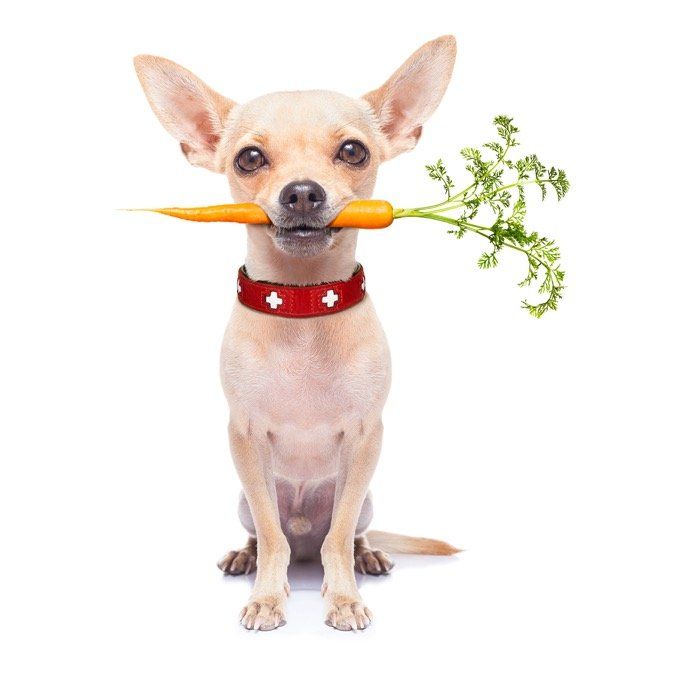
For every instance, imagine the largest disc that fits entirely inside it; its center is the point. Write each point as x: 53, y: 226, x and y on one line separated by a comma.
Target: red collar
x: 301, y: 301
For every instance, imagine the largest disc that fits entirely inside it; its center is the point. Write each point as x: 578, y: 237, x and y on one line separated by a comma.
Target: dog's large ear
x: 192, y: 112
x: 407, y: 99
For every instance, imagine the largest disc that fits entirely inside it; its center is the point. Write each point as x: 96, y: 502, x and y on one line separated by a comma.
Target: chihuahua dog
x: 305, y: 393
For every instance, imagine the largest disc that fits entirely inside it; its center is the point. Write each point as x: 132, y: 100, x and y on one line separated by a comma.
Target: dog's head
x: 301, y: 155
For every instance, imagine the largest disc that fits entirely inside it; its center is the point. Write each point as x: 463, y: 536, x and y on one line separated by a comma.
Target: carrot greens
x: 498, y: 187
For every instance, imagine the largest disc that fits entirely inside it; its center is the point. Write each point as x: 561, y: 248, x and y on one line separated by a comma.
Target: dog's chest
x: 306, y: 374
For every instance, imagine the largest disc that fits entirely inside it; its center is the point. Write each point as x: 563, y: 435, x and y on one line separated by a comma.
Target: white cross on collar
x: 273, y: 300
x: 330, y: 298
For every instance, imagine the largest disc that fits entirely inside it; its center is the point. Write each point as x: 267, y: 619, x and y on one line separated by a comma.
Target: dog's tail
x: 401, y: 543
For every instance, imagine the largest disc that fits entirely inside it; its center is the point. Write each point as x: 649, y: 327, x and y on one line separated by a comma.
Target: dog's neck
x: 265, y: 262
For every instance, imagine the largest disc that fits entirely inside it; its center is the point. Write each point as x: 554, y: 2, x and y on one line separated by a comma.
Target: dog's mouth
x: 303, y: 235
x: 303, y: 230
x: 302, y: 225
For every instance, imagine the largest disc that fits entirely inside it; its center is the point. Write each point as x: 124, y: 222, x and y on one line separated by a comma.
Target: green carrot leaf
x: 499, y: 185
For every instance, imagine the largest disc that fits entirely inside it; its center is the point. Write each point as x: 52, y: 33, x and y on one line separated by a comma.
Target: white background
x: 544, y: 448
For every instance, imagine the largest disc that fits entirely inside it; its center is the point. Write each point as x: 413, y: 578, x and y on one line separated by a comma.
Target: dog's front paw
x: 264, y: 613
x: 345, y: 612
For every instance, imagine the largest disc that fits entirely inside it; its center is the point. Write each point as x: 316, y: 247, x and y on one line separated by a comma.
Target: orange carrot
x: 233, y: 213
x: 367, y: 214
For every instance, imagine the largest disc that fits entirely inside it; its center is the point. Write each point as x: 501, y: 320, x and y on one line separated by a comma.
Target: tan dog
x: 305, y: 394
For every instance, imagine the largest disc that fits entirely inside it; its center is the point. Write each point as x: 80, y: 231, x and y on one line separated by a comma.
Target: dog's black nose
x: 302, y: 196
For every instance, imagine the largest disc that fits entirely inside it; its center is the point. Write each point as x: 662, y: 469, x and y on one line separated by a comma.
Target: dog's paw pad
x: 372, y: 561
x: 238, y: 562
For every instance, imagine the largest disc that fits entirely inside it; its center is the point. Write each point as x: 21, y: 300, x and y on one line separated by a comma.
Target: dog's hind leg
x: 368, y: 560
x: 242, y: 561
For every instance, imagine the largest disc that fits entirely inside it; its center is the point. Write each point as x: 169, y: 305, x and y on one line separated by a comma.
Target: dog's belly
x: 305, y: 512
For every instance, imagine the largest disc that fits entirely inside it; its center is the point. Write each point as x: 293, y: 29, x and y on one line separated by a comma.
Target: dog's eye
x: 250, y: 159
x: 353, y: 152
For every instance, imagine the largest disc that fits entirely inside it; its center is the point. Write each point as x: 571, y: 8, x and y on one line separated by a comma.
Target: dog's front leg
x: 358, y: 458
x: 265, y: 608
